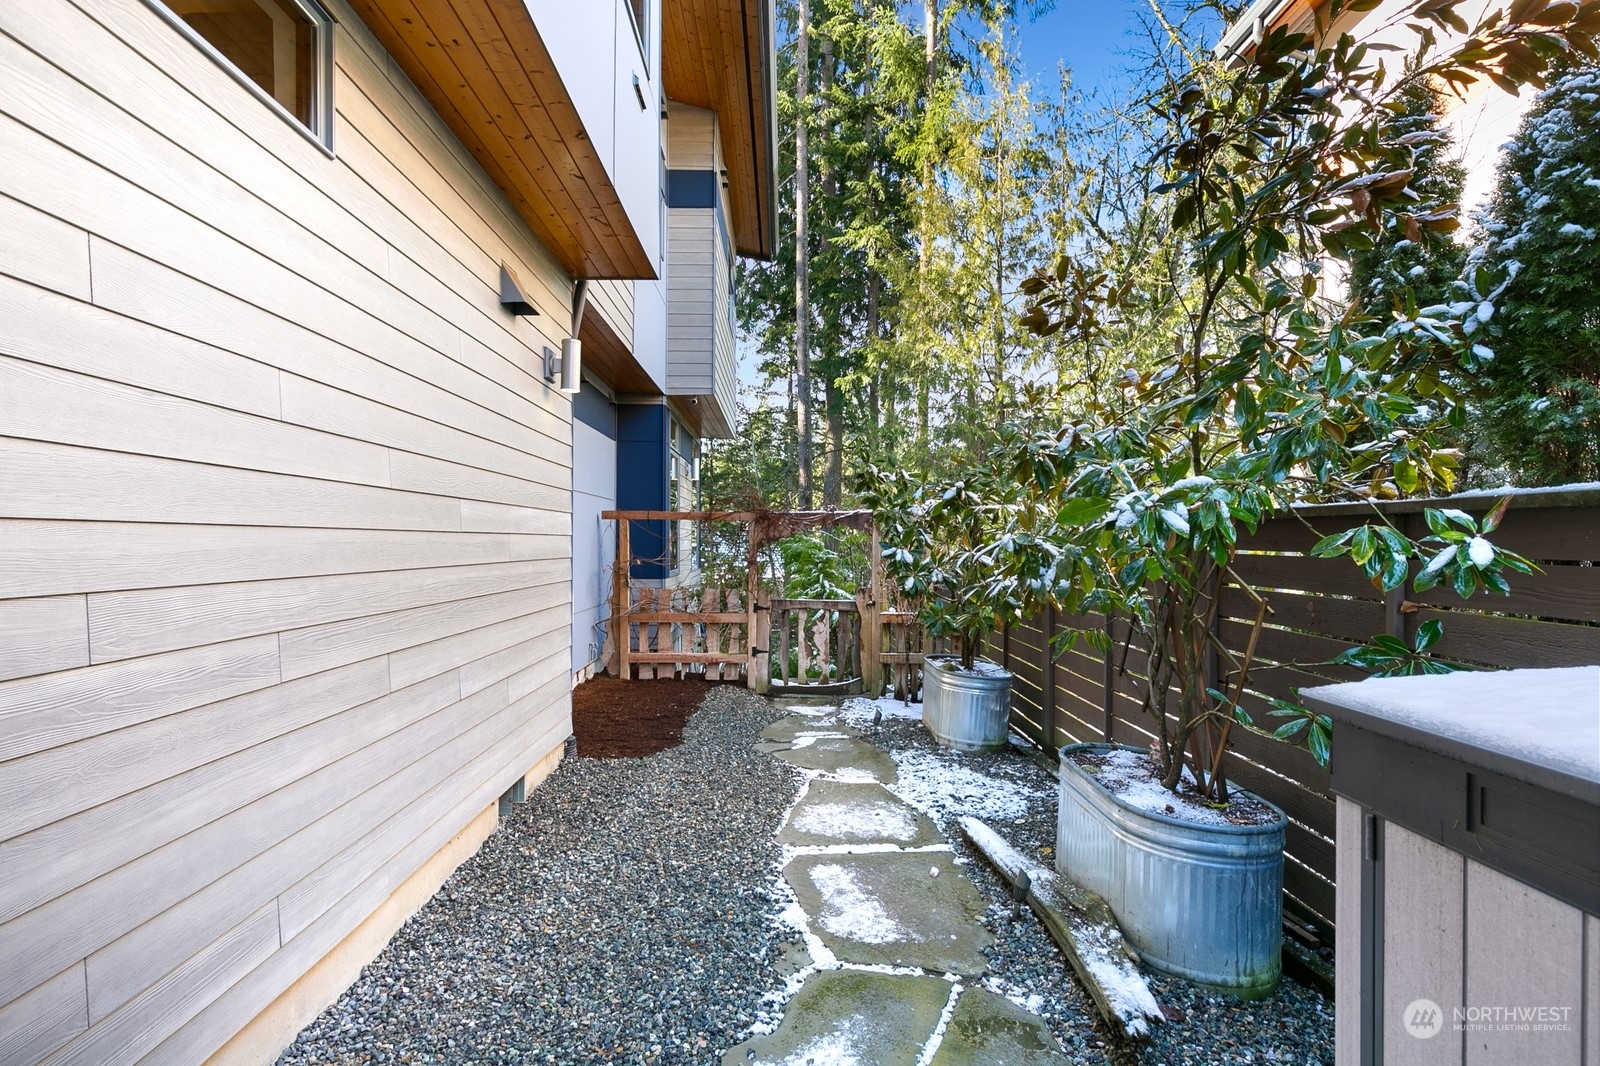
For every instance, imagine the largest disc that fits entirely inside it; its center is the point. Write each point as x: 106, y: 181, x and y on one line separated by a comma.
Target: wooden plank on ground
x: 1083, y: 925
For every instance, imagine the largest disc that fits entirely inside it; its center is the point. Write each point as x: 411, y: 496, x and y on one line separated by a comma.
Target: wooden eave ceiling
x: 610, y: 358
x: 717, y: 54
x: 485, y: 69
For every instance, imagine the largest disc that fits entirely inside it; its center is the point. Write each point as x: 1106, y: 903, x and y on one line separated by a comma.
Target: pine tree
x: 1540, y: 414
x: 1426, y: 261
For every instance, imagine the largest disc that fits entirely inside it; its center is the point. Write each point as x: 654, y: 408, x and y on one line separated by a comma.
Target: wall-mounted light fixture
x: 567, y: 368
x: 512, y: 296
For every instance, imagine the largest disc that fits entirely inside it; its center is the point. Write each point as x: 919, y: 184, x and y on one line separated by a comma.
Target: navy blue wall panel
x: 643, y: 473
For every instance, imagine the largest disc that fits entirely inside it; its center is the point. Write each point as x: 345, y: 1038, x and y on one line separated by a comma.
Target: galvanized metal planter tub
x: 1202, y: 902
x: 968, y: 712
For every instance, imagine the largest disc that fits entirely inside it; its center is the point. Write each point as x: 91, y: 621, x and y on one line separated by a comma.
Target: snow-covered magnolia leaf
x: 1480, y: 551
x: 1435, y: 565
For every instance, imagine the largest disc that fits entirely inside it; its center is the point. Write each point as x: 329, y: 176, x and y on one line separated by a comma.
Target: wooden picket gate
x: 671, y: 632
x: 865, y: 644
x: 816, y: 644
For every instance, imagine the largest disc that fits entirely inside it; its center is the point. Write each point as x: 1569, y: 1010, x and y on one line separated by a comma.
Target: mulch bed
x: 617, y: 719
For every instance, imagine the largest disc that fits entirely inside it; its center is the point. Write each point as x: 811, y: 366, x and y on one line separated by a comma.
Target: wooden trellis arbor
x: 818, y: 645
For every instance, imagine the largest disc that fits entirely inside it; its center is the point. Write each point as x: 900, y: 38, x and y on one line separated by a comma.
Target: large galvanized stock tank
x: 966, y: 710
x: 1203, y: 902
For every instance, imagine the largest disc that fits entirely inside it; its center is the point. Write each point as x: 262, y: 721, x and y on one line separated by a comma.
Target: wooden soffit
x: 610, y: 358
x: 718, y: 54
x: 486, y: 71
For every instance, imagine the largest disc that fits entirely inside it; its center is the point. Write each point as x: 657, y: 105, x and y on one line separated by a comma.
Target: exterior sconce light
x: 567, y: 368
x: 512, y: 296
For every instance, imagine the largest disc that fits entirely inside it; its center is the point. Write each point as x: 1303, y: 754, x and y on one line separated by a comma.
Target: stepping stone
x: 887, y: 909
x: 855, y: 760
x: 840, y: 812
x: 990, y: 1030
x: 797, y: 729
x: 850, y: 1016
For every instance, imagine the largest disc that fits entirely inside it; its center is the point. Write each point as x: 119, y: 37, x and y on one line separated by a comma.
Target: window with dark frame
x: 282, y: 48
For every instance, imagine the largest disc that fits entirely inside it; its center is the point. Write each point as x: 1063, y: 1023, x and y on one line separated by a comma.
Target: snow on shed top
x: 1527, y: 723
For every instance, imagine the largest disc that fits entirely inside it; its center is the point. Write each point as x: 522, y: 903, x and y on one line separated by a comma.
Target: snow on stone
x: 856, y: 821
x: 835, y: 1048
x: 804, y: 738
x: 941, y: 787
x: 931, y: 1048
x: 859, y: 712
x: 852, y: 775
x: 850, y: 911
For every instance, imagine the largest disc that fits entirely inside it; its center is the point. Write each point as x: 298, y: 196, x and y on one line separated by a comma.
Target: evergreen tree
x: 1540, y: 411
x: 1425, y: 261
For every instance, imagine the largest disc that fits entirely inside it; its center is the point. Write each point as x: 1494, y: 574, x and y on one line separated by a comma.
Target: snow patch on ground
x: 860, y: 712
x: 857, y: 821
x: 945, y: 789
x: 850, y: 911
x: 1032, y: 1002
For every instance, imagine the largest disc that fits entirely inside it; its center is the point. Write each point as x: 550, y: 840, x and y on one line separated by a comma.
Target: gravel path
x: 620, y: 914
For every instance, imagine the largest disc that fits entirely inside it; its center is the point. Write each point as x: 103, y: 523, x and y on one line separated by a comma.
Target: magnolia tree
x: 942, y: 543
x: 1273, y: 397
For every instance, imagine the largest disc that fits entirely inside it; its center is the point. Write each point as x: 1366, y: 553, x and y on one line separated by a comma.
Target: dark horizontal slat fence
x: 1321, y: 607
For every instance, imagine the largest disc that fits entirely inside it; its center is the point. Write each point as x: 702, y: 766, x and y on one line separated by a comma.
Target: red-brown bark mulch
x: 617, y: 719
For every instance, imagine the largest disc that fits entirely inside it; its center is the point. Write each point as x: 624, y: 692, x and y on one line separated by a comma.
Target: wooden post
x: 871, y: 642
x: 760, y: 639
x: 619, y: 599
x: 752, y: 603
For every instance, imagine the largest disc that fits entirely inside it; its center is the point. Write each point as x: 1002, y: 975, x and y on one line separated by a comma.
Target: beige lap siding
x: 285, y: 530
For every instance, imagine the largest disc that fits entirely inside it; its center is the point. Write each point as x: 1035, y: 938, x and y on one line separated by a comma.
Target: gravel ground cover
x: 623, y: 914
x: 1295, y: 1026
x: 620, y: 914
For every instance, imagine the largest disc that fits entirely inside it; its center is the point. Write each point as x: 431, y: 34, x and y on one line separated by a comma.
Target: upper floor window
x: 283, y: 49
x: 640, y: 10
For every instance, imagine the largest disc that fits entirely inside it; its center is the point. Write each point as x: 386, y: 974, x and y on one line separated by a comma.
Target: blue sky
x: 1088, y: 35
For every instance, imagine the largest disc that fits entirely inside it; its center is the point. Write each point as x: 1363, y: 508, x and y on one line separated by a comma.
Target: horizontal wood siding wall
x: 1321, y: 607
x: 692, y: 257
x: 613, y: 302
x: 724, y: 381
x: 285, y: 530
